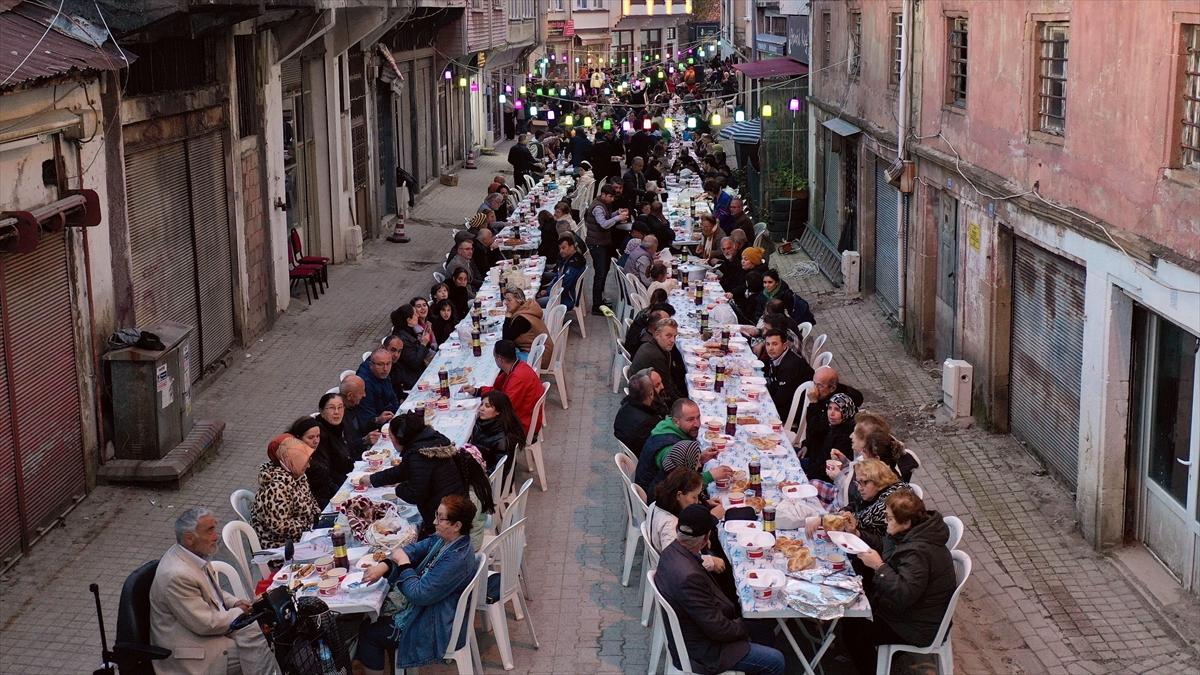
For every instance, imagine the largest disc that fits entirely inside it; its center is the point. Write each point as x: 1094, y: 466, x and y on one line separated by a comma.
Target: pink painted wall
x: 1121, y: 115
x: 870, y: 97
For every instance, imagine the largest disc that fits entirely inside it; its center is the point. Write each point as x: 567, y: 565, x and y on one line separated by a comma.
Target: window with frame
x: 597, y: 4
x: 581, y: 4
x: 826, y: 38
x: 1052, y: 77
x: 1189, y: 139
x: 557, y: 5
x: 246, y: 68
x: 956, y: 61
x: 897, y: 52
x: 854, y: 61
x: 670, y: 33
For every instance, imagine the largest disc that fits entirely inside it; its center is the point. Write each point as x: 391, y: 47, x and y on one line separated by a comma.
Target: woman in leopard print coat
x: 284, y: 507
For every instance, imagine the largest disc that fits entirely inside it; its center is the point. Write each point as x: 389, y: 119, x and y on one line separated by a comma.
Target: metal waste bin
x: 151, y: 395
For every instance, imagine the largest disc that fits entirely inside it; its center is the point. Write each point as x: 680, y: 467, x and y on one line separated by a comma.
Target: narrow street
x: 1039, y: 600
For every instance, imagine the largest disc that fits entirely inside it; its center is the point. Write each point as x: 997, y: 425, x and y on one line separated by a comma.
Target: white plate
x: 736, y: 527
x: 799, y: 491
x: 704, y: 395
x: 848, y: 542
x: 765, y: 578
x: 754, y: 379
x: 757, y: 429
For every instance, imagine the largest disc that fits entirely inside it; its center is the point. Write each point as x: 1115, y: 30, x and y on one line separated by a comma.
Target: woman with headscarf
x: 431, y: 467
x: 683, y: 455
x: 332, y: 461
x: 840, y: 413
x: 284, y: 507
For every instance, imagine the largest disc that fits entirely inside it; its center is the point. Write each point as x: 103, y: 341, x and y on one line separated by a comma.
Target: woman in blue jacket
x: 426, y: 580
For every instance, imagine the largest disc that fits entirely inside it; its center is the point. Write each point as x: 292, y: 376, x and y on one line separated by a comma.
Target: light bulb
x: 691, y: 124
x: 739, y: 116
x: 716, y: 120
x: 766, y: 110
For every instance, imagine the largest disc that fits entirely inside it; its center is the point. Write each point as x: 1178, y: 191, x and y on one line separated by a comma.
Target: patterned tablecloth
x: 523, y: 221
x: 744, y: 386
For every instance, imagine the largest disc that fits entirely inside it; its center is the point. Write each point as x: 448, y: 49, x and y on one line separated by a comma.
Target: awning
x: 746, y: 131
x: 650, y: 22
x: 771, y: 39
x: 841, y: 127
x: 40, y: 53
x: 587, y: 36
x: 777, y: 67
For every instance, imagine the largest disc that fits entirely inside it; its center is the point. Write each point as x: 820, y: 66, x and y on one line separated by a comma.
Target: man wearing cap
x: 716, y: 636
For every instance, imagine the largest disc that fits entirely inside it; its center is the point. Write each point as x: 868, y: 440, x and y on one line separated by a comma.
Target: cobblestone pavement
x: 1039, y: 601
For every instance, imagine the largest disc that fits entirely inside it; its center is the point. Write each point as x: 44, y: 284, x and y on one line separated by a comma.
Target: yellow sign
x: 973, y: 236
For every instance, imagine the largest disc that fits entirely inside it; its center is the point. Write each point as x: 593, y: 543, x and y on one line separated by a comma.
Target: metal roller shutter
x: 832, y: 205
x: 10, y: 516
x: 887, y: 240
x: 42, y: 384
x: 214, y: 262
x: 291, y: 73
x: 1047, y: 355
x: 160, y: 241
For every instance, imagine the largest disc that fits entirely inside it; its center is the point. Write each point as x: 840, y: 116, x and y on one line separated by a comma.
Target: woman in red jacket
x: 516, y: 379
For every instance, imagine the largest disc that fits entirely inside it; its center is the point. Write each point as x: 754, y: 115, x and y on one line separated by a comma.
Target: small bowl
x: 324, y: 564
x: 757, y: 544
x: 328, y: 587
x: 737, y: 499
x: 338, y: 573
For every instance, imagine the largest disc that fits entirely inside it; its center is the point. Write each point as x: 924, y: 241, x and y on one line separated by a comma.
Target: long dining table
x: 819, y: 593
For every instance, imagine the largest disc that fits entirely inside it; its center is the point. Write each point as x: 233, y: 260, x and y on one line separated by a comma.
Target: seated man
x: 380, y: 403
x: 571, y: 265
x: 682, y: 425
x: 640, y: 411
x: 716, y: 637
x: 464, y: 257
x: 639, y: 261
x: 729, y: 265
x: 485, y: 253
x: 516, y: 379
x: 523, y: 323
x: 639, y: 331
x: 193, y: 617
x: 354, y: 390
x: 785, y: 371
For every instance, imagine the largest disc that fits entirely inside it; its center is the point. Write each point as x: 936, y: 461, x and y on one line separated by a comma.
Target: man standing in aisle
x: 600, y: 221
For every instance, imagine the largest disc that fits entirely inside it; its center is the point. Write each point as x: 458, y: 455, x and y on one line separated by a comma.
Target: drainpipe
x: 906, y: 23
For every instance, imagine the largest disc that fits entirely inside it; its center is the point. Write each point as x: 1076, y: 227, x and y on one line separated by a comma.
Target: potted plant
x: 788, y: 184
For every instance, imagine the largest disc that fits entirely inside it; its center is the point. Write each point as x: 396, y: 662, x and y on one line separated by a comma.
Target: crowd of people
x: 614, y: 140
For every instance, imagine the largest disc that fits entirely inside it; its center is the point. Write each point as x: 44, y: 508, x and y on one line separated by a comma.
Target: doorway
x: 1164, y: 439
x: 299, y: 158
x: 946, y: 303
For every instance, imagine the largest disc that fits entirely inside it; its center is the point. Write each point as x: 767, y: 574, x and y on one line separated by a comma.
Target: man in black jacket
x: 640, y: 410
x: 785, y: 371
x: 825, y: 384
x: 716, y: 637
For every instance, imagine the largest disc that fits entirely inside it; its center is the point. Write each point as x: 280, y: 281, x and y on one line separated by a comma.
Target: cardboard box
x: 450, y: 179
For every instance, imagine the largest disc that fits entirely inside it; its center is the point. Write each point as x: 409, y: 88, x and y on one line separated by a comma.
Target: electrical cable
x: 49, y: 26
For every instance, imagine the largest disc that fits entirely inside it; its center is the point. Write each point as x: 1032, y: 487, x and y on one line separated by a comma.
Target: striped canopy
x: 746, y: 131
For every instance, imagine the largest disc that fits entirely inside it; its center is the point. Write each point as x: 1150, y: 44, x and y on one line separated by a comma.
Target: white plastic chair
x: 617, y: 333
x: 804, y: 328
x: 331, y: 390
x: 823, y: 359
x: 956, y: 527
x: 241, y: 501
x: 226, y: 572
x: 366, y: 355
x: 533, y: 440
x: 242, y: 541
x: 917, y: 490
x: 941, y: 642
x: 467, y: 657
x: 658, y: 641
x: 635, y: 511
x: 649, y: 563
x: 497, y: 482
x: 626, y: 462
x: 554, y: 319
x: 556, y: 369
x: 628, y: 453
x: 814, y: 347
x: 581, y: 299
x: 536, y: 349
x: 507, y: 551
x: 439, y: 278
x: 622, y: 291
x: 344, y: 374
x: 554, y: 295
x: 636, y: 288
x: 637, y: 303
x: 625, y: 374
x: 799, y: 408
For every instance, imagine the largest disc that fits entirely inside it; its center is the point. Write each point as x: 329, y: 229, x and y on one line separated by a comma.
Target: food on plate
x: 712, y: 435
x: 836, y: 522
x: 739, y: 485
x: 379, y: 555
x: 764, y: 442
x: 802, y: 560
x: 303, y: 570
x: 788, y: 483
x: 746, y: 419
x: 740, y: 474
x: 514, y: 241
x: 757, y: 502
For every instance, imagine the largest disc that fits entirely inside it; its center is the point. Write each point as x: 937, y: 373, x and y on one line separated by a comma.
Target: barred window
x: 827, y: 39
x: 245, y: 62
x: 854, y: 65
x: 1189, y: 141
x: 897, y: 55
x: 1052, y: 77
x: 956, y: 66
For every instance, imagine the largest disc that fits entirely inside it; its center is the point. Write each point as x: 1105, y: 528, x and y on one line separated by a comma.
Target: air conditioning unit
x: 851, y: 275
x: 957, y: 376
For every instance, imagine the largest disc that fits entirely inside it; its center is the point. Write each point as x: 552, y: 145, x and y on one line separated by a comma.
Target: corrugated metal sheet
x: 21, y: 31
x: 887, y: 239
x: 1047, y: 356
x: 782, y: 66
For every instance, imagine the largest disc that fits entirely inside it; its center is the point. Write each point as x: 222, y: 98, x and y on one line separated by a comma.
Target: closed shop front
x: 1047, y: 356
x: 42, y: 470
x: 180, y: 249
x: 887, y: 239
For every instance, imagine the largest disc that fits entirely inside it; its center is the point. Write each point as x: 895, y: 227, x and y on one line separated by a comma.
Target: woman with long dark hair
x: 415, y: 353
x: 431, y: 467
x: 441, y: 317
x: 498, y: 432
x: 461, y: 292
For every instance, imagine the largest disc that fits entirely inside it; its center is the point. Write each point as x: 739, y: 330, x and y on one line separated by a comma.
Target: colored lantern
x: 626, y: 126
x: 518, y: 104
x: 521, y: 90
x: 691, y: 60
x: 503, y: 98
x: 562, y: 91
x: 691, y: 123
x: 668, y: 123
x: 533, y: 111
x: 716, y: 120
x: 462, y: 81
x: 661, y: 75
x: 607, y: 125
x: 794, y: 105
x: 539, y: 91
x: 447, y: 74
x: 607, y: 91
x: 570, y: 120
x: 646, y: 124
x: 766, y: 110
x: 550, y: 114
x: 474, y: 86
x: 739, y: 116
x: 508, y: 88
x: 587, y: 122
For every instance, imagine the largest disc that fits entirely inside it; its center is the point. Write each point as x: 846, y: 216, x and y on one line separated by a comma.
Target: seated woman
x: 745, y: 297
x: 876, y: 482
x: 424, y: 325
x: 332, y: 461
x: 441, y: 317
x: 284, y: 506
x: 660, y: 280
x: 497, y: 433
x: 431, y: 467
x: 872, y: 439
x: 523, y: 323
x: 685, y: 455
x: 426, y: 579
x: 460, y: 292
x: 411, y: 361
x: 840, y: 412
x: 912, y: 583
x: 774, y: 288
x: 548, y: 228
x: 681, y: 488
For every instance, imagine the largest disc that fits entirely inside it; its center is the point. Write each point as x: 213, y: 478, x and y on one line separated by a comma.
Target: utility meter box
x: 151, y: 394
x: 957, y: 376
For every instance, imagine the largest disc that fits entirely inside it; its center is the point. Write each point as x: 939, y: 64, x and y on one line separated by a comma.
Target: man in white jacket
x: 192, y: 616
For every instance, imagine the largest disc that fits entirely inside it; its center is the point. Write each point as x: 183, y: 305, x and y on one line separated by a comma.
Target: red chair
x: 296, y: 251
x: 310, y: 276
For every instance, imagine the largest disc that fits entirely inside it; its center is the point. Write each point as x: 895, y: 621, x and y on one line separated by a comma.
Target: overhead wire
x: 49, y: 27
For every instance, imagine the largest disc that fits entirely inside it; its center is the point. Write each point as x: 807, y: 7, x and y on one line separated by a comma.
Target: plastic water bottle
x: 325, y: 656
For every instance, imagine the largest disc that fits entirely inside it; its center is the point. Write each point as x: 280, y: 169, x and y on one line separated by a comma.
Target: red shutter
x: 42, y: 384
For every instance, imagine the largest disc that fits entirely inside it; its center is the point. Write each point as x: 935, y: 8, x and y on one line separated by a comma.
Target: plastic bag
x: 790, y: 514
